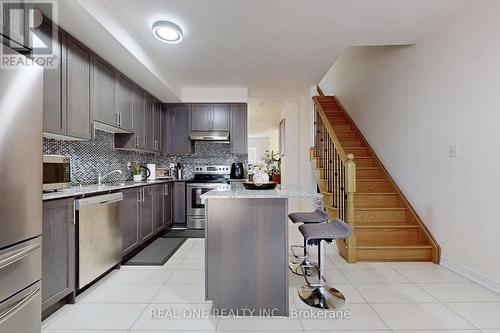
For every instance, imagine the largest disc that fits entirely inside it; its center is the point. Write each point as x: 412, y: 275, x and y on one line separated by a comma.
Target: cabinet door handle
x: 136, y: 141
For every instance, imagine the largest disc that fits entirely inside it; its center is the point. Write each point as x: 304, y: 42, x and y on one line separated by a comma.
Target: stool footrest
x: 298, y: 256
x: 321, y: 280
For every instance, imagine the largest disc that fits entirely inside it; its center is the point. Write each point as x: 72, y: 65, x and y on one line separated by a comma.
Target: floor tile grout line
x: 373, y: 309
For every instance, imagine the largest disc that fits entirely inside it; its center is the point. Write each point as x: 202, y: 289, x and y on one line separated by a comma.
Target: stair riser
x: 377, y: 200
x: 380, y: 215
x: 373, y: 187
x: 369, y: 173
x: 386, y: 236
x: 394, y: 254
x: 347, y: 135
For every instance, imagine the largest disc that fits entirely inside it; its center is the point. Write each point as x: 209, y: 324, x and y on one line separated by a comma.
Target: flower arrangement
x: 270, y: 164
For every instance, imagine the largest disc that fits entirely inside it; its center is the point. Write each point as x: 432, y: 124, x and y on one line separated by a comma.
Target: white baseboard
x: 471, y: 275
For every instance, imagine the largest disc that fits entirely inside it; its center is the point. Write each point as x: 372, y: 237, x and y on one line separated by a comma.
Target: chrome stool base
x: 322, y: 297
x: 309, y: 268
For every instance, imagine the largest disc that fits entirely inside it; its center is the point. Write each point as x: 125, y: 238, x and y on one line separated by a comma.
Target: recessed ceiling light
x: 167, y: 32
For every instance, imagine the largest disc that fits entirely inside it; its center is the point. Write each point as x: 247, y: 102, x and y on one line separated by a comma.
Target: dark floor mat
x: 184, y: 233
x: 156, y: 253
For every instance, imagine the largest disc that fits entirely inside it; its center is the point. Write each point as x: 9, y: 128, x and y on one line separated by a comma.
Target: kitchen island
x: 246, y: 257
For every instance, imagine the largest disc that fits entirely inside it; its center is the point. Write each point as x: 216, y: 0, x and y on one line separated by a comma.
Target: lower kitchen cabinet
x: 130, y: 222
x: 179, y: 203
x: 58, y: 252
x: 158, y: 221
x: 146, y: 213
x: 168, y: 204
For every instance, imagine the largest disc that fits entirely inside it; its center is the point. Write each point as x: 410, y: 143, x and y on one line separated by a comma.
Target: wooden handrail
x: 330, y: 130
x: 318, y: 89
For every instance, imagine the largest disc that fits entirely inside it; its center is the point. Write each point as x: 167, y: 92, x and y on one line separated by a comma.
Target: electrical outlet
x: 454, y: 151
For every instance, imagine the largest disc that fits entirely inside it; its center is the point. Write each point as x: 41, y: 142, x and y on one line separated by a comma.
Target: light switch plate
x: 454, y: 150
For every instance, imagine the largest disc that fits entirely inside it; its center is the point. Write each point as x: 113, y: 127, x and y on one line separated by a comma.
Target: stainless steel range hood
x: 209, y: 136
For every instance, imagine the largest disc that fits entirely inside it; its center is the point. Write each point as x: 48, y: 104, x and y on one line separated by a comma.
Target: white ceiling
x: 271, y: 47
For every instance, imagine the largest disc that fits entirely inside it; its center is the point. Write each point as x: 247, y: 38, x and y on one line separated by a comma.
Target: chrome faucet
x: 101, y: 178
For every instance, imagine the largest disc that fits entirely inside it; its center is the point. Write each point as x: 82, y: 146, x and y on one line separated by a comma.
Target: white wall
x: 412, y: 103
x: 297, y: 173
x: 260, y: 145
x: 209, y: 95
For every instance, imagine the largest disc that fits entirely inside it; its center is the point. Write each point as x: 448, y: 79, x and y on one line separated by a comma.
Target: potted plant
x: 273, y: 163
x: 137, y: 172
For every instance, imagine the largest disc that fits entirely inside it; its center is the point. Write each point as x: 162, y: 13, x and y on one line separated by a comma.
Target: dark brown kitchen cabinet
x: 58, y: 252
x: 179, y: 202
x: 168, y: 216
x: 200, y: 117
x: 157, y: 126
x: 158, y: 221
x: 139, y: 118
x: 103, y: 97
x: 15, y: 23
x: 146, y: 213
x: 221, y: 114
x: 176, y: 128
x: 130, y: 222
x: 78, y: 78
x: 239, y: 129
x: 124, y: 101
x: 149, y: 123
x: 54, y: 113
x: 210, y: 117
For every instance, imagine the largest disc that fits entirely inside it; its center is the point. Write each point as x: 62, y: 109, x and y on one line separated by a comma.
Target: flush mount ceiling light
x: 167, y: 32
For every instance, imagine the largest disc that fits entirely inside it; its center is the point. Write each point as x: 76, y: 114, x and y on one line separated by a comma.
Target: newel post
x: 350, y: 189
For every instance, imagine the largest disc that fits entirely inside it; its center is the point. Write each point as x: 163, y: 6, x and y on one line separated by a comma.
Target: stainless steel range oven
x: 206, y: 178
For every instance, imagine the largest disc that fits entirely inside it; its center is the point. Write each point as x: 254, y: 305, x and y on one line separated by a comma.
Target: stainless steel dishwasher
x: 99, y: 235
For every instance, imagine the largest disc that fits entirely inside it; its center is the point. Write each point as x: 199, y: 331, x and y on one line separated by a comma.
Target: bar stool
x: 319, y: 294
x: 298, y: 261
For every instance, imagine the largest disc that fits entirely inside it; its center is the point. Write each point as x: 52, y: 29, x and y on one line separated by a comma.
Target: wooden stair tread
x: 395, y: 247
x: 380, y: 208
x: 387, y: 225
x: 377, y: 193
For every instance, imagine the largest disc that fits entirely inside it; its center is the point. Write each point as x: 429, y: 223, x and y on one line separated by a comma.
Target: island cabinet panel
x: 176, y: 128
x: 103, y: 97
x: 146, y: 214
x: 58, y: 252
x: 124, y: 101
x: 130, y: 222
x: 78, y: 89
x: 247, y: 253
x: 239, y: 129
x: 179, y: 202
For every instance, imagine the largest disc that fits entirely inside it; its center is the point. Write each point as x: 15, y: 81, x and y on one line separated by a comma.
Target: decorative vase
x: 260, y: 177
x: 276, y: 178
x: 137, y: 178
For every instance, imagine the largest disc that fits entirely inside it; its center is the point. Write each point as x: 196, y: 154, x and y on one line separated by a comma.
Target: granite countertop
x: 237, y: 191
x: 85, y: 190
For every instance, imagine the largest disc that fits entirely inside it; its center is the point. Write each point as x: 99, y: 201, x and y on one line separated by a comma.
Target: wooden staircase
x: 386, y: 228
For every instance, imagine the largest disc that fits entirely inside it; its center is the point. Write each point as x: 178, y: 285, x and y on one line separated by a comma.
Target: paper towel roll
x: 152, y: 168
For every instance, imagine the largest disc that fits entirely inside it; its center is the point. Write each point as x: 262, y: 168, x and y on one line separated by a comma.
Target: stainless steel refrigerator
x: 21, y: 116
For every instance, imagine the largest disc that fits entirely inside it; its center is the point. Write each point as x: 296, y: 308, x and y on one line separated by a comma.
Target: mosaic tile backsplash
x: 88, y: 158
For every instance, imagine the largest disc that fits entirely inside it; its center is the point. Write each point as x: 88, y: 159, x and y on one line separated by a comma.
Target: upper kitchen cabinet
x: 15, y: 25
x: 149, y: 122
x: 239, y: 131
x: 210, y: 117
x: 157, y: 127
x: 78, y: 78
x: 137, y: 140
x: 103, y: 101
x: 176, y: 128
x: 54, y: 114
x: 124, y: 101
x: 220, y: 117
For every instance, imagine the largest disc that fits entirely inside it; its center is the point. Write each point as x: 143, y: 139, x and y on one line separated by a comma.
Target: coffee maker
x: 237, y: 171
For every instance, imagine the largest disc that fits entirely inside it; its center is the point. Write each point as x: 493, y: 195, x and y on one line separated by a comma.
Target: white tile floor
x: 381, y: 297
